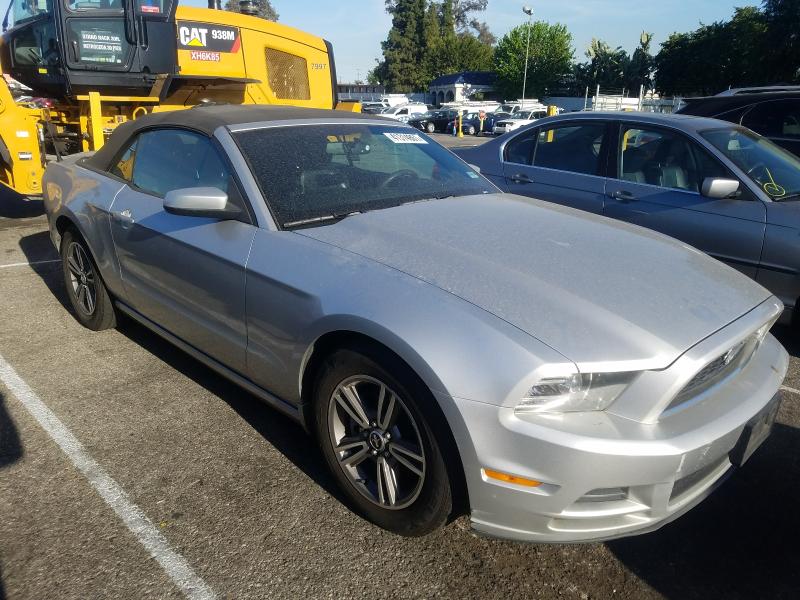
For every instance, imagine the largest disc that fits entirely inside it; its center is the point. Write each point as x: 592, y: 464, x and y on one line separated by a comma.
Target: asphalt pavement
x: 240, y: 494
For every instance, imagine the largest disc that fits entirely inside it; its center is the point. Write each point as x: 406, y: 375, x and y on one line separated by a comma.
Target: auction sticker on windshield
x: 405, y: 138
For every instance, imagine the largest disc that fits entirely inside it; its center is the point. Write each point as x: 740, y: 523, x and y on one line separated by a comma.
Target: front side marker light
x: 508, y: 478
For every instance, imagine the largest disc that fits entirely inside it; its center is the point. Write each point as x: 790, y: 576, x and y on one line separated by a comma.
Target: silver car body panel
x: 547, y: 270
x: 480, y: 296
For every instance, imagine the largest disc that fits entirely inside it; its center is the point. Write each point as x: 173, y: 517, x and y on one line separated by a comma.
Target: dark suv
x: 773, y: 112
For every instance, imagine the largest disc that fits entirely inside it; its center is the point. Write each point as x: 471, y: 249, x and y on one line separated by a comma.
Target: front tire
x: 430, y: 128
x: 87, y: 293
x: 370, y: 417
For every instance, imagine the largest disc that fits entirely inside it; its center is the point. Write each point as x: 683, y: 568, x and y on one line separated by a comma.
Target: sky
x: 356, y: 28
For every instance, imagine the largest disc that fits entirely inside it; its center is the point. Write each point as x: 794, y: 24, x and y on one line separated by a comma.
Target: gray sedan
x: 558, y: 376
x: 719, y: 187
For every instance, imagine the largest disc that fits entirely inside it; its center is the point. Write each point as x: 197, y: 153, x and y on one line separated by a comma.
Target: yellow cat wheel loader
x: 73, y: 70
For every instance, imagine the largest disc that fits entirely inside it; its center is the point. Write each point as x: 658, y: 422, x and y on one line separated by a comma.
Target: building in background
x: 458, y: 87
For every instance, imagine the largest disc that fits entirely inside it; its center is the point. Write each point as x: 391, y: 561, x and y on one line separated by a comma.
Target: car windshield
x: 315, y: 173
x: 775, y: 170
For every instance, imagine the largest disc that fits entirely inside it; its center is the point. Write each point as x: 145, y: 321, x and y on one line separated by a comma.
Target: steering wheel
x: 395, y: 177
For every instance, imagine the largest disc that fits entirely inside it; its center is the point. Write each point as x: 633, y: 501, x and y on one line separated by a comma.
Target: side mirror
x: 200, y: 202
x: 475, y: 168
x: 720, y: 188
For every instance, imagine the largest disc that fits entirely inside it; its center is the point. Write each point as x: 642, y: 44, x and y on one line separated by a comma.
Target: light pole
x: 528, y: 11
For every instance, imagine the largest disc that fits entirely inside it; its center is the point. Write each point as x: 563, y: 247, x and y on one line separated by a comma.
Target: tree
x: 264, y: 7
x: 606, y: 67
x: 403, y: 54
x: 782, y: 18
x: 718, y: 56
x: 550, y: 58
x: 639, y: 72
x: 425, y: 42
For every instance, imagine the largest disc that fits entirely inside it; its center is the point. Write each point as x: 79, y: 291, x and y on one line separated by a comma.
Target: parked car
x: 431, y: 122
x: 773, y: 112
x: 445, y: 343
x: 517, y: 120
x: 471, y: 123
x: 719, y: 187
x: 372, y: 108
x: 405, y: 112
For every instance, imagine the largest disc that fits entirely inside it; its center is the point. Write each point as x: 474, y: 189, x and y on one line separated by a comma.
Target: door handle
x: 521, y: 178
x: 124, y: 217
x: 623, y: 196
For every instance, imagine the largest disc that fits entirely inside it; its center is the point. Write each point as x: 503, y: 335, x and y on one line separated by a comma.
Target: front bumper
x: 649, y: 473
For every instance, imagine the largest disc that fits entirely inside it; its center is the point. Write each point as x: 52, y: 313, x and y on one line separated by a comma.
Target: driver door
x: 185, y: 273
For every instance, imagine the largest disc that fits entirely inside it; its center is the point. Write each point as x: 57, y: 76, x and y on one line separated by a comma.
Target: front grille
x: 288, y: 75
x: 717, y: 370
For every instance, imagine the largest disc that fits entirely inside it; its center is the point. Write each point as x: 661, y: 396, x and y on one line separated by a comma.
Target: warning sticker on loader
x: 209, y: 37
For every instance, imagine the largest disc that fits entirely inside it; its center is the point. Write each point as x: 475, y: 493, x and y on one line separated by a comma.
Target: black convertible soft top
x: 207, y: 119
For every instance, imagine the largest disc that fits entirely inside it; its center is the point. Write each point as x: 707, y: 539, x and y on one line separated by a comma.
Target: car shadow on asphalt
x: 283, y: 433
x: 10, y: 445
x: 15, y: 206
x: 10, y: 452
x: 789, y: 337
x: 741, y: 542
x: 37, y: 248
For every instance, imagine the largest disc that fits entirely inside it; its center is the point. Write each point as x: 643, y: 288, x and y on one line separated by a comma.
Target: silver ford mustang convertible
x: 560, y: 376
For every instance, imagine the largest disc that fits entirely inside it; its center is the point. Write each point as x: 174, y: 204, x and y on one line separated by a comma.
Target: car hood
x: 593, y: 289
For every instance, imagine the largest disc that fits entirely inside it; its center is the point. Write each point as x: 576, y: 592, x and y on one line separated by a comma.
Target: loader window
x: 84, y: 5
x: 288, y: 75
x: 98, y: 41
x: 28, y: 9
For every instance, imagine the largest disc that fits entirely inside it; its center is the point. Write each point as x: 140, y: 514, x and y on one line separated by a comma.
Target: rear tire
x: 90, y: 300
x: 371, y: 419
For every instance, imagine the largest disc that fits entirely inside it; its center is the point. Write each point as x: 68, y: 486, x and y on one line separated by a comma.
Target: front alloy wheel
x: 85, y: 287
x: 374, y: 420
x: 82, y: 279
x: 377, y: 442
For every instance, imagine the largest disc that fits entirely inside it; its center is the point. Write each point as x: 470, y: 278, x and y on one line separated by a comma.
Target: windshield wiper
x: 323, y: 219
x: 788, y: 197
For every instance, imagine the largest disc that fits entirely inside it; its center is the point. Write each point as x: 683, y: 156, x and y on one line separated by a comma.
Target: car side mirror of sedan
x: 720, y: 188
x: 206, y: 202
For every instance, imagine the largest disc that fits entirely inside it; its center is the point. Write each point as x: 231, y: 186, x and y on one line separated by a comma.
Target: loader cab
x: 64, y: 48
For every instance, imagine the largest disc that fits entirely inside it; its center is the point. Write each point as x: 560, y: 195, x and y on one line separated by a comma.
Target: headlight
x: 581, y: 392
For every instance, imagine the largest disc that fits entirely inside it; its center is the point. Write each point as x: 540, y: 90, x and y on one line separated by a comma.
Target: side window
x: 520, y: 149
x: 778, y: 119
x: 574, y: 148
x: 124, y: 165
x: 170, y: 159
x: 658, y: 157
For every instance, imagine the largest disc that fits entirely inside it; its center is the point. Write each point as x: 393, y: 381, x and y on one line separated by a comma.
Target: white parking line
x: 30, y: 264
x: 136, y: 521
x: 786, y: 388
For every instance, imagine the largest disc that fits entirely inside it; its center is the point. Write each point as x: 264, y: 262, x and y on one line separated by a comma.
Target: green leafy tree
x: 716, y: 57
x: 550, y: 58
x: 426, y: 41
x: 782, y: 19
x: 641, y: 66
x: 403, y: 54
x: 265, y: 9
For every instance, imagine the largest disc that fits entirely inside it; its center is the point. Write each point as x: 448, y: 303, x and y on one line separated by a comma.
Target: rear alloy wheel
x: 379, y: 446
x: 87, y: 292
x: 430, y: 128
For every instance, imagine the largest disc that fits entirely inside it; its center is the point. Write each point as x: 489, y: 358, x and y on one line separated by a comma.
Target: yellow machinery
x: 91, y: 69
